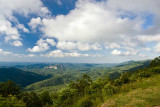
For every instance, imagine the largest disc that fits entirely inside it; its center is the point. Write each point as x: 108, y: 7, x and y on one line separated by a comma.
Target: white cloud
x: 157, y: 48
x: 149, y: 38
x: 78, y: 46
x: 59, y: 53
x: 127, y: 53
x: 87, y: 27
x: 17, y: 43
x: 22, y: 7
x: 119, y: 24
x: 42, y: 45
x: 50, y: 41
x: 98, y: 22
x: 66, y: 45
x: 112, y: 46
x: 5, y: 52
x: 11, y: 31
x: 21, y: 27
x: 34, y: 22
x: 136, y: 5
x: 89, y: 22
x: 116, y: 52
x: 7, y: 29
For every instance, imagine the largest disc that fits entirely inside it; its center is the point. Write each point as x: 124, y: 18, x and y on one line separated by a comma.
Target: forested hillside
x: 71, y: 72
x: 140, y: 87
x: 20, y: 77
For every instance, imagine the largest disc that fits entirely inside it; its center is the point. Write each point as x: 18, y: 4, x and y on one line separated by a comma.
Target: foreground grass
x: 144, y: 93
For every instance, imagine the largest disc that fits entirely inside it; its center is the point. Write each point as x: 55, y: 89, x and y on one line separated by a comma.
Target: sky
x: 79, y: 31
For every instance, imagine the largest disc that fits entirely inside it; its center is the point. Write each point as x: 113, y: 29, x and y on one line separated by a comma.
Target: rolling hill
x: 20, y: 77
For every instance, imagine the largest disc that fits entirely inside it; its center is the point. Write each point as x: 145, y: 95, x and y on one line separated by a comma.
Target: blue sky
x: 89, y: 31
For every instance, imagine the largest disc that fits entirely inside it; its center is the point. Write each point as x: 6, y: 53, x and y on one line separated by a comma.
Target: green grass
x: 144, y: 93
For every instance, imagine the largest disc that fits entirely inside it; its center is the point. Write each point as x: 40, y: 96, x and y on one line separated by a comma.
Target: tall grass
x: 146, y: 93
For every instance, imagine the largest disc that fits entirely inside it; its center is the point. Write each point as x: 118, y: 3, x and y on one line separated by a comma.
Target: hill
x: 138, y: 87
x: 20, y: 77
x: 53, y: 84
x: 146, y: 93
x: 70, y: 72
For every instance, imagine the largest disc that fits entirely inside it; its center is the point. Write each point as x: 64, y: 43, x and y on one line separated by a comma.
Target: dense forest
x: 89, y: 92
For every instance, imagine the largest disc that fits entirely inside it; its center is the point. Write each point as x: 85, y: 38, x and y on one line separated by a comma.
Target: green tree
x: 109, y: 89
x: 45, y: 98
x: 31, y: 99
x: 9, y: 88
x: 155, y: 62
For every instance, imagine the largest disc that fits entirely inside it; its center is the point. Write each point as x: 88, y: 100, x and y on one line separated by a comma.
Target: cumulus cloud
x: 11, y: 31
x: 127, y: 53
x: 21, y: 27
x: 42, y: 45
x: 118, y: 25
x: 106, y: 22
x: 116, y: 52
x: 78, y: 46
x: 7, y: 29
x: 5, y: 52
x: 89, y: 22
x: 17, y: 43
x: 34, y: 22
x: 112, y: 46
x: 60, y: 53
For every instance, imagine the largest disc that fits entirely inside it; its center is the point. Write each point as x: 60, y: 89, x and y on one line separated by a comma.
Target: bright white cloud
x: 21, y: 27
x: 89, y: 22
x: 116, y: 52
x: 119, y: 25
x: 78, y: 46
x: 22, y: 7
x: 17, y: 43
x: 7, y: 29
x: 34, y: 22
x: 98, y: 22
x: 42, y: 45
x: 112, y: 46
x: 127, y: 53
x: 59, y: 53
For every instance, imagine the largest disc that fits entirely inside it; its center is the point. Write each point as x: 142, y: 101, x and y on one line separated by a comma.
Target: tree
x: 9, y: 88
x: 155, y: 62
x: 45, y: 98
x: 83, y: 83
x: 31, y: 99
x: 109, y: 89
x: 124, y: 79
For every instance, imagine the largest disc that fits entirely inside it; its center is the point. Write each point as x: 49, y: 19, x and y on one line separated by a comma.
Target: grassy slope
x: 144, y: 93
